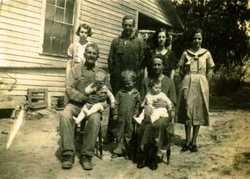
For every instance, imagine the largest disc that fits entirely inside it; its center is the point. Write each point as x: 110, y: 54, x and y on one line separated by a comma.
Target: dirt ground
x: 224, y: 149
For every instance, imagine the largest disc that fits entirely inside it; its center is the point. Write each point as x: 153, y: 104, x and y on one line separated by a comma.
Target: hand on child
x: 77, y: 121
x: 160, y: 103
x: 90, y: 89
x: 172, y: 116
x: 148, y: 110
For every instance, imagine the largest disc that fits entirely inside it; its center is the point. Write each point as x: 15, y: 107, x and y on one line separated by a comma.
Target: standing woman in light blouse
x: 76, y: 50
x: 195, y: 67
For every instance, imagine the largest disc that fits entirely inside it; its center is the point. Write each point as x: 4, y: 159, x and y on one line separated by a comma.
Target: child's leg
x: 95, y: 108
x: 140, y: 118
x: 80, y: 116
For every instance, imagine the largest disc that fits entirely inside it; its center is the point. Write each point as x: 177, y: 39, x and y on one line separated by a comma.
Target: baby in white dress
x: 155, y: 94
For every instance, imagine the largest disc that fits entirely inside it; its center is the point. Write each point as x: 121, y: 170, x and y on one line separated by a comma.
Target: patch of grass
x: 227, y: 171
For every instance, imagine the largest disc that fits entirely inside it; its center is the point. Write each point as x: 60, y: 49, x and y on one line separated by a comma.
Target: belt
x: 197, y: 72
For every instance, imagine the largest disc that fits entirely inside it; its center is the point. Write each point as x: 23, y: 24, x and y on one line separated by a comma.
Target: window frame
x: 75, y: 21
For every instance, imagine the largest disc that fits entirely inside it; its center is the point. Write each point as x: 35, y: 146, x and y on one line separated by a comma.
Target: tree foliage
x: 223, y: 24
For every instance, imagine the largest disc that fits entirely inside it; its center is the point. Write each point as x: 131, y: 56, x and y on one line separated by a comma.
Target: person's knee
x: 67, y: 113
x: 94, y: 119
x: 66, y: 116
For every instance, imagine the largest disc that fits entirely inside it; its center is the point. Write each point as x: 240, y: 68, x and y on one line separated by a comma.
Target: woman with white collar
x: 195, y: 67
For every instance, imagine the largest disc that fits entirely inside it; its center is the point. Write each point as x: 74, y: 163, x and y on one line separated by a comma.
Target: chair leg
x: 100, y: 142
x: 168, y: 156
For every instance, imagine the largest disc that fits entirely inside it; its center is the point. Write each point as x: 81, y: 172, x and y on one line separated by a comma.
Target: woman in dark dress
x: 163, y: 49
x: 160, y: 132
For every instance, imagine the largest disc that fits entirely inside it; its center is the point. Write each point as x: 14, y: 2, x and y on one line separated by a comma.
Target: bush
x: 227, y: 79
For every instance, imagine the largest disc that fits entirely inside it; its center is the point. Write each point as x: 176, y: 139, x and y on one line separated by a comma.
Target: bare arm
x: 111, y: 98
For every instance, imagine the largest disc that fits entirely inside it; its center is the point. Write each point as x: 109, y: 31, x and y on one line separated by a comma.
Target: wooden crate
x: 38, y: 98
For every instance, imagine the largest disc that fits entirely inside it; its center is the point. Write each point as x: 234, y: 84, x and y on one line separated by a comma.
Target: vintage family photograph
x: 124, y: 89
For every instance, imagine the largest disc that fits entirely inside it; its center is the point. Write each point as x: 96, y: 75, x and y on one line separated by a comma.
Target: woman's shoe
x: 185, y: 148
x: 114, y: 155
x: 141, y: 164
x: 153, y: 165
x: 193, y: 148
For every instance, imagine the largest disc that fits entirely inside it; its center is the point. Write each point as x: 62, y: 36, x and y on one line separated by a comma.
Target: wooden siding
x: 22, y: 64
x: 15, y: 81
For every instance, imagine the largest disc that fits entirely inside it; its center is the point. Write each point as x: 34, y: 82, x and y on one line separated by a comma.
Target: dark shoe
x: 86, y: 163
x: 193, y: 148
x: 141, y: 164
x: 114, y: 155
x: 153, y: 165
x: 67, y: 161
x: 166, y: 158
x: 185, y: 148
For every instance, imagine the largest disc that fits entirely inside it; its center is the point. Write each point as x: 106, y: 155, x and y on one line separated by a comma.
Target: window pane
x: 50, y: 12
x: 59, y: 14
x: 57, y: 34
x: 69, y: 11
x: 61, y: 3
x: 57, y: 37
x: 51, y: 1
x: 48, y: 37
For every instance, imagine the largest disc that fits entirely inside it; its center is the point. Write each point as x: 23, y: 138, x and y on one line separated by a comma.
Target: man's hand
x: 160, y: 103
x: 90, y: 89
x: 148, y: 110
x: 172, y: 116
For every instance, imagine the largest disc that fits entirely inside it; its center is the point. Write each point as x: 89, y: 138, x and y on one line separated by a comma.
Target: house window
x: 58, y: 26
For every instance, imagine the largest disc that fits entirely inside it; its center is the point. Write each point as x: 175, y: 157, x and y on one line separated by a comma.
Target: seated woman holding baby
x: 156, y: 120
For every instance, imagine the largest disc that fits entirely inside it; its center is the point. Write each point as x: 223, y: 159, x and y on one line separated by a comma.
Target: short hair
x: 195, y: 31
x: 102, y: 74
x: 84, y: 26
x: 128, y: 17
x: 128, y: 74
x: 93, y: 45
x: 154, y: 82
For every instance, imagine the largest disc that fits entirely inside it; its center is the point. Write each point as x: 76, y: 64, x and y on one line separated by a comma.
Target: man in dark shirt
x: 126, y: 53
x: 79, y: 78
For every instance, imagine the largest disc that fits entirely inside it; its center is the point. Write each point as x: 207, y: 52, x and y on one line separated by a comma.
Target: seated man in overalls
x: 79, y: 78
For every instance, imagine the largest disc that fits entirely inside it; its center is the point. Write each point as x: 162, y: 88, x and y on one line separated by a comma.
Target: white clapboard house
x: 35, y: 34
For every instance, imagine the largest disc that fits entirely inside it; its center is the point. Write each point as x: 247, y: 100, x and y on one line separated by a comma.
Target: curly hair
x: 155, y: 37
x: 84, y: 26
